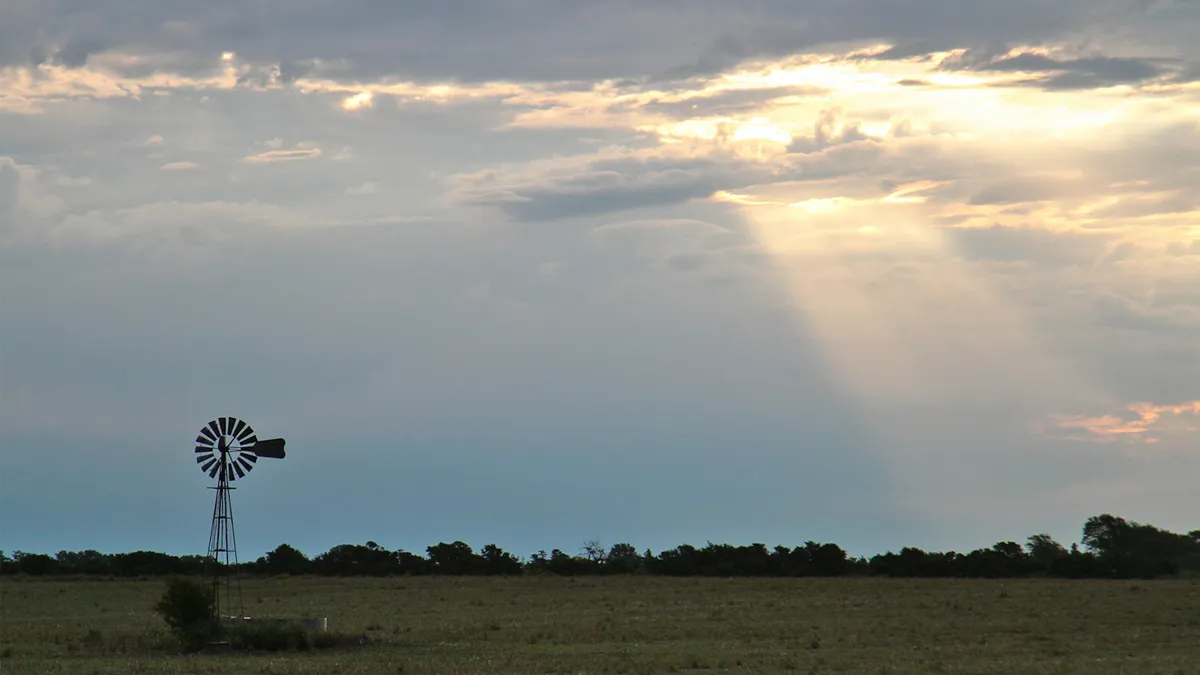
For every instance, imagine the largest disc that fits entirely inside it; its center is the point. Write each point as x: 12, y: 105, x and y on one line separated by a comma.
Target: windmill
x: 227, y: 449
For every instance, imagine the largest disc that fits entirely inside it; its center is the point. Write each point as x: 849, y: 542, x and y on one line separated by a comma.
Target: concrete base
x: 315, y: 624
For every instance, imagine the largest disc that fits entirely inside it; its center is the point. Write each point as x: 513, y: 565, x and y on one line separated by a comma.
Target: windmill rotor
x: 227, y: 448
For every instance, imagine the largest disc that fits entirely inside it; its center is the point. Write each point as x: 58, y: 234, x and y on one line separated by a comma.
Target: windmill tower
x: 227, y: 449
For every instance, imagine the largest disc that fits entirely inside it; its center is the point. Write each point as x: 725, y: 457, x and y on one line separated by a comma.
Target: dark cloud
x: 76, y: 52
x: 1009, y: 244
x: 1180, y: 248
x: 601, y: 186
x: 39, y: 54
x: 588, y: 185
x: 830, y: 129
x: 1019, y: 191
x: 1122, y: 313
x: 919, y: 50
x: 290, y: 71
x: 1176, y: 202
x: 1062, y: 74
x: 535, y: 39
x: 10, y: 185
x: 1116, y: 69
x: 1190, y: 73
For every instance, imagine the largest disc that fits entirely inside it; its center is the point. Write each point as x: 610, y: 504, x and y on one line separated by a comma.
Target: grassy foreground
x: 633, y: 625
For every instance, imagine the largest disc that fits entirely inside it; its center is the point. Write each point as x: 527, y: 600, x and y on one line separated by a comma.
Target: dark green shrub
x: 268, y: 636
x: 283, y: 635
x: 187, y: 607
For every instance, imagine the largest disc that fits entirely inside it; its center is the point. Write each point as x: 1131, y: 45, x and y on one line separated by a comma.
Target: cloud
x: 275, y: 156
x: 10, y: 185
x: 27, y: 200
x: 1123, y: 313
x: 1065, y: 73
x: 368, y: 188
x: 729, y: 102
x: 1190, y: 73
x: 179, y: 166
x: 661, y: 240
x: 1179, y: 248
x: 476, y: 41
x: 602, y: 183
x: 830, y: 128
x: 358, y: 101
x: 1137, y: 423
x: 1029, y: 244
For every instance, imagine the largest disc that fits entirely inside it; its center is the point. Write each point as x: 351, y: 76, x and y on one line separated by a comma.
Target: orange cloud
x: 273, y: 156
x: 1134, y: 424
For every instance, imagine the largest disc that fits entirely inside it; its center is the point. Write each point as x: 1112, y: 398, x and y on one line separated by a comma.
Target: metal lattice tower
x: 227, y: 449
x: 222, y: 560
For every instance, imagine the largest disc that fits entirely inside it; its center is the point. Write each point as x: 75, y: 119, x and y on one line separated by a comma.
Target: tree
x: 187, y: 607
x: 34, y: 564
x: 565, y: 565
x: 623, y: 558
x: 498, y: 561
x: 1044, y: 551
x: 455, y: 558
x: 827, y: 560
x: 1105, y: 534
x: 1128, y: 549
x: 287, y: 560
x: 410, y: 563
x: 593, y: 550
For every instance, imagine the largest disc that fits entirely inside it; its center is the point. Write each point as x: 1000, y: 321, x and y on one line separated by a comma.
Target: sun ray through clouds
x: 863, y: 233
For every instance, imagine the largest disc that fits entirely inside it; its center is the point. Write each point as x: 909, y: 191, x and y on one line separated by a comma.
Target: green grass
x: 632, y: 625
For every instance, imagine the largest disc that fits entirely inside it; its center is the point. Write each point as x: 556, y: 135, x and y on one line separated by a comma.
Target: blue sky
x: 874, y: 272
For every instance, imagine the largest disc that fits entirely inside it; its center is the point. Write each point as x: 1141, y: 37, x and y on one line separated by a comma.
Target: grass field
x: 633, y: 625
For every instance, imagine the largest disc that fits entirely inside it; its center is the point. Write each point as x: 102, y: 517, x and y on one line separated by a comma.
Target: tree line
x: 1112, y: 547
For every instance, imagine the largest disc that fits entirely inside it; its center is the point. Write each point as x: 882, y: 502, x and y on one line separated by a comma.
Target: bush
x: 187, y: 607
x: 281, y: 635
x: 269, y: 636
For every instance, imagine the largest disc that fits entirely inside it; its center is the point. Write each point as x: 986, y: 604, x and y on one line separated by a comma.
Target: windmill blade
x: 204, y: 448
x: 200, y: 459
x: 223, y: 422
x: 238, y: 468
x: 237, y: 430
x: 206, y: 436
x: 245, y: 435
x: 269, y: 447
x: 248, y: 455
x: 216, y: 431
x: 244, y: 462
x: 216, y: 466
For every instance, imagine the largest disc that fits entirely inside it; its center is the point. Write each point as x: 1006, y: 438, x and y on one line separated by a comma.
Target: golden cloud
x: 274, y: 156
x: 1136, y: 423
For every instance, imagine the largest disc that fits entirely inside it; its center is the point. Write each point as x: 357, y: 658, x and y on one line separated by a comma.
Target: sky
x: 877, y: 272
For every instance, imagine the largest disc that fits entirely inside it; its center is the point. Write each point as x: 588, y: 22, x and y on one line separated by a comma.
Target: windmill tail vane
x: 227, y: 449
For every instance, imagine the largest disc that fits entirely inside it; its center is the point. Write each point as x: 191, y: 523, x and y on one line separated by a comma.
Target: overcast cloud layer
x: 878, y: 272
